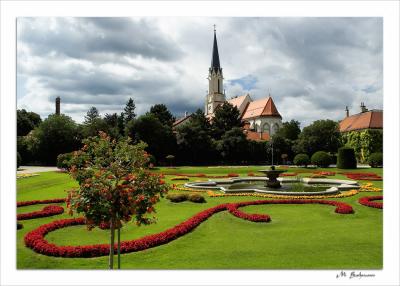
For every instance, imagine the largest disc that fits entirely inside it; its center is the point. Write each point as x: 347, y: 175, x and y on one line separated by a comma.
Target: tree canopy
x: 161, y: 112
x: 26, y: 121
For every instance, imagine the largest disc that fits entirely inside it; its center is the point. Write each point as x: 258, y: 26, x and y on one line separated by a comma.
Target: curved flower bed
x: 368, y: 187
x: 29, y: 203
x: 363, y: 176
x: 273, y: 196
x: 46, y: 211
x: 36, y: 241
x: 368, y: 201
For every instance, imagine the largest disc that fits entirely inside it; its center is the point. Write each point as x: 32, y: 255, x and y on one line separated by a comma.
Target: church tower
x: 216, y: 93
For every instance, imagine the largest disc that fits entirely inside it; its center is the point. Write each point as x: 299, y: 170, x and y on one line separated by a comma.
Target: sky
x: 312, y: 67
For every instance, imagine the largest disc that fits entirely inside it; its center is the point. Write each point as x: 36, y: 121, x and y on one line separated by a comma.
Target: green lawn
x: 298, y: 237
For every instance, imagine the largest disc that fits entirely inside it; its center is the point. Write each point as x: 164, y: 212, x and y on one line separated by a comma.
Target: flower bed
x: 273, y: 196
x: 230, y: 175
x: 288, y: 174
x: 36, y: 241
x: 363, y: 176
x: 368, y: 201
x: 325, y: 173
x: 29, y: 203
x: 45, y: 212
x: 21, y: 176
x: 368, y: 187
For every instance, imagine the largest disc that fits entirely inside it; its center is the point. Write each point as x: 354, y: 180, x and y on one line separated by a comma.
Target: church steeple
x: 216, y: 95
x: 215, y: 56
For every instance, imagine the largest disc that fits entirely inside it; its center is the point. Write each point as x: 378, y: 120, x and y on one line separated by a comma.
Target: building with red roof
x: 261, y: 117
x: 366, y: 119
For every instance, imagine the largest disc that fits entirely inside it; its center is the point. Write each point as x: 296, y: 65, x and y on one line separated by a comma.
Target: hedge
x: 346, y: 158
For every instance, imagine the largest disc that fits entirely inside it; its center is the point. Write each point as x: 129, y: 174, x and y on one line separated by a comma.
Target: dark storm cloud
x: 82, y: 37
x: 312, y: 67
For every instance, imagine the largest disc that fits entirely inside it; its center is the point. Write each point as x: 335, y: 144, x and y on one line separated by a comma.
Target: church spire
x: 215, y: 56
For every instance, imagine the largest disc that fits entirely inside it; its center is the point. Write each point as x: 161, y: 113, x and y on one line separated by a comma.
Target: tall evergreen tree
x: 163, y: 114
x: 91, y: 115
x: 129, y: 111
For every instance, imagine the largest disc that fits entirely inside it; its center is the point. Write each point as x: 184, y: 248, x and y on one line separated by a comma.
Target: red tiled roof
x: 181, y: 120
x: 367, y: 120
x: 256, y: 136
x: 261, y: 107
x: 237, y: 101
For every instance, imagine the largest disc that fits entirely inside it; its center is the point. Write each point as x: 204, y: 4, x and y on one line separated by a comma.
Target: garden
x: 206, y: 229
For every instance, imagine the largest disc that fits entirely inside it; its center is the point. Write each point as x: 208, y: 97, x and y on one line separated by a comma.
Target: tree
x: 129, y: 111
x: 159, y: 138
x: 26, y: 121
x: 91, y: 115
x: 226, y: 117
x: 112, y: 122
x: 321, y: 135
x: 290, y: 130
x: 161, y: 112
x: 114, y: 186
x: 195, y: 145
x: 233, y: 146
x: 364, y: 142
x: 57, y: 134
x: 93, y: 123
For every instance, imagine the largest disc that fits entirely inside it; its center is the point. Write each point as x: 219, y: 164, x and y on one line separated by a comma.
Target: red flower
x: 367, y: 201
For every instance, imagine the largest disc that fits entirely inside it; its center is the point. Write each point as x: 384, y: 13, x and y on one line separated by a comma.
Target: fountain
x: 272, y: 176
x: 272, y: 184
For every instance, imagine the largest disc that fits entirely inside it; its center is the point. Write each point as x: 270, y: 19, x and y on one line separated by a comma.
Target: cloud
x: 312, y: 67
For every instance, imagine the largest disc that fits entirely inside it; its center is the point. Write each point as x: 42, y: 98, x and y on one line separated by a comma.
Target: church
x: 261, y: 118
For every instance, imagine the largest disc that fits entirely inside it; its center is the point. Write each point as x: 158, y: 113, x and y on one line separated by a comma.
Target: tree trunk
x: 111, y: 256
x: 119, y: 246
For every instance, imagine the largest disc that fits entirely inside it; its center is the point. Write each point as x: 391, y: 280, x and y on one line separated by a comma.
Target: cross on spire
x: 215, y: 27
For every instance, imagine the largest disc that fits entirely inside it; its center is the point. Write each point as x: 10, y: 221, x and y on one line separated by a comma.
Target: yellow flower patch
x: 368, y: 187
x: 20, y: 176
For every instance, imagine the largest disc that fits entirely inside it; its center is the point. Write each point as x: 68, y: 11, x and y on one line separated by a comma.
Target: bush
x: 19, y: 160
x: 196, y: 198
x: 63, y: 161
x: 321, y: 159
x: 376, y: 160
x: 301, y: 160
x: 346, y: 158
x: 177, y: 198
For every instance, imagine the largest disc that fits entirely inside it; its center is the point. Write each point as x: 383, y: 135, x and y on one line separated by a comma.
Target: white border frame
x: 11, y: 10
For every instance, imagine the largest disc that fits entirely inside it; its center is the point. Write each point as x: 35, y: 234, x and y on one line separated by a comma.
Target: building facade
x: 260, y: 117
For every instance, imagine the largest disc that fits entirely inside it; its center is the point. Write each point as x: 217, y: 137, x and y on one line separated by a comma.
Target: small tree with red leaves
x: 115, y: 187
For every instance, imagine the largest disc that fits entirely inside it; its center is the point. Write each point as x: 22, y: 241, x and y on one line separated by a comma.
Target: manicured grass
x: 298, y: 237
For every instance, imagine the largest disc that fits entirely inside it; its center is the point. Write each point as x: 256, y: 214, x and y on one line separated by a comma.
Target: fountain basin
x: 251, y: 184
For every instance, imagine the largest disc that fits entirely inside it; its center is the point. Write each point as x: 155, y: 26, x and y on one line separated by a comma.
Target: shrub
x: 376, y: 160
x: 196, y: 198
x: 63, y: 161
x: 301, y: 160
x: 177, y: 198
x: 19, y: 160
x: 346, y: 158
x: 321, y: 159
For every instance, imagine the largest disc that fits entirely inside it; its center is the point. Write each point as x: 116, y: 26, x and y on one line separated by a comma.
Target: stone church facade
x: 260, y: 117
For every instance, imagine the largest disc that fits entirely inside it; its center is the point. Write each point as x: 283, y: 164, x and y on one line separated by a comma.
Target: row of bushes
x: 177, y: 198
x: 346, y: 159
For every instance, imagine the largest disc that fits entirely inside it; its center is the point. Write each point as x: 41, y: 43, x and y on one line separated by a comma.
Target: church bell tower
x: 216, y: 94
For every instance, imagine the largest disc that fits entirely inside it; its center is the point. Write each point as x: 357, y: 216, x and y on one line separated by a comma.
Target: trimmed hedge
x: 376, y: 160
x: 346, y: 158
x: 177, y: 198
x: 321, y: 159
x: 196, y: 198
x: 301, y: 160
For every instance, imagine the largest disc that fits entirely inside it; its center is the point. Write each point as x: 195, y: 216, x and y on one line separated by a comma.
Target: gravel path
x: 35, y: 169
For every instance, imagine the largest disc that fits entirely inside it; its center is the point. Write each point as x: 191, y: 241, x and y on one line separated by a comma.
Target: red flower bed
x: 363, y: 176
x: 233, y: 175
x: 367, y: 201
x: 251, y: 174
x: 29, y: 203
x: 46, y: 211
x: 233, y: 209
x: 288, y: 174
x: 36, y: 241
